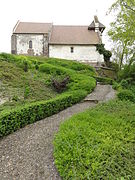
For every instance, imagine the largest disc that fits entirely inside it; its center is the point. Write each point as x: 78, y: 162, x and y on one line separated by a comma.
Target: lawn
x: 98, y: 143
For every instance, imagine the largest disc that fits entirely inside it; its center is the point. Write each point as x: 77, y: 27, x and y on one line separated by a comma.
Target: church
x: 58, y: 41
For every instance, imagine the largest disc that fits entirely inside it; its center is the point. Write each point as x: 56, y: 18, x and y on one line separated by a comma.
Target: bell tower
x: 97, y: 26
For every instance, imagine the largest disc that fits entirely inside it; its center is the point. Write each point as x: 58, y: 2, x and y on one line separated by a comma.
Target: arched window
x: 30, y: 44
x: 71, y: 49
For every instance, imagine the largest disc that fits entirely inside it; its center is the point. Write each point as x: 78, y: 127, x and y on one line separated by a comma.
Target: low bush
x: 124, y: 84
x: 18, y: 118
x: 116, y: 86
x: 126, y: 95
x: 21, y: 61
x: 51, y: 69
x: 78, y: 87
x: 98, y: 143
x: 128, y: 72
x: 60, y: 86
x: 77, y: 80
x: 104, y: 80
x: 73, y: 65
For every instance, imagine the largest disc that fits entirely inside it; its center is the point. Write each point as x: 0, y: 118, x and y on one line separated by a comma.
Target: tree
x: 122, y: 30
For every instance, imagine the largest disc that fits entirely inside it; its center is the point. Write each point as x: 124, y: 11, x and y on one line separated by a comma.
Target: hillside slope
x: 18, y: 87
x: 32, y: 88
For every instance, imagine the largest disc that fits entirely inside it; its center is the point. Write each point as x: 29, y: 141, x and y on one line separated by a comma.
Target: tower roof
x: 92, y: 25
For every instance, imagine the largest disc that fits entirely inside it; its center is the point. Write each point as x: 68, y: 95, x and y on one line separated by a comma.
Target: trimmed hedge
x: 21, y: 60
x: 77, y: 66
x: 77, y: 80
x: 13, y: 120
x: 104, y: 80
x: 51, y: 69
x: 78, y: 87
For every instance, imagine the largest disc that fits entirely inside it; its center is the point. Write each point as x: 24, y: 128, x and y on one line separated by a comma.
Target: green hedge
x: 125, y: 94
x: 20, y: 60
x: 98, y: 143
x: 77, y: 66
x: 77, y: 80
x: 78, y: 87
x: 104, y: 80
x: 51, y: 69
x: 13, y: 120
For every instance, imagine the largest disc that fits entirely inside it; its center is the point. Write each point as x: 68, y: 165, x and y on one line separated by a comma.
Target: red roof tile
x: 73, y: 35
x: 29, y: 27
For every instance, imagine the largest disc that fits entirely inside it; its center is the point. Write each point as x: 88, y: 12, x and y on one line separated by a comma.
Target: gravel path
x: 27, y: 153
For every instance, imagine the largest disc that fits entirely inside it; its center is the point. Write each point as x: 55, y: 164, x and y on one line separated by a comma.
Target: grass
x: 28, y: 79
x: 23, y: 81
x: 14, y: 83
x: 98, y: 144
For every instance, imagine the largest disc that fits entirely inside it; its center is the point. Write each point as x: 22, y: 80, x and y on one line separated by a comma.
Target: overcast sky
x: 63, y: 12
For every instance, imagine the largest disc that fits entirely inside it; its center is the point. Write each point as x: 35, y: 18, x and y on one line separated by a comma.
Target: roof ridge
x: 71, y: 25
x: 37, y: 22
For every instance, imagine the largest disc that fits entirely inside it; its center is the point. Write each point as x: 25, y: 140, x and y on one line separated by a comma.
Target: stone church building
x: 58, y: 41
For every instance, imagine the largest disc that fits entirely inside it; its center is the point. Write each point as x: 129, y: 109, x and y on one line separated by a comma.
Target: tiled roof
x: 73, y: 35
x: 29, y: 27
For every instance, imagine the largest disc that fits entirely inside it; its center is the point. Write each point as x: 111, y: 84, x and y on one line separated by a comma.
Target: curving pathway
x: 27, y: 153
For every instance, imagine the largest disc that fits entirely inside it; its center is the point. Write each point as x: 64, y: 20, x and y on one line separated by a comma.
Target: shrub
x: 51, y: 69
x: 114, y: 66
x: 124, y: 84
x: 106, y: 53
x: 126, y: 95
x: 10, y: 121
x: 97, y: 144
x: 60, y: 85
x: 77, y: 80
x: 116, y: 85
x: 20, y: 60
x: 71, y: 65
x: 128, y: 72
x: 78, y: 87
x: 104, y: 80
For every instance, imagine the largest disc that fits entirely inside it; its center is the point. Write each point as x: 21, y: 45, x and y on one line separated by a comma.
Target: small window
x: 30, y: 44
x: 72, y: 49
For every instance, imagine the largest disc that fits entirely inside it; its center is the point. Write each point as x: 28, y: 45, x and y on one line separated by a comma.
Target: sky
x: 58, y: 12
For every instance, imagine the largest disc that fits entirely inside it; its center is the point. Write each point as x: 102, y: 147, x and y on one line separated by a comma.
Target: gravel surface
x: 27, y: 153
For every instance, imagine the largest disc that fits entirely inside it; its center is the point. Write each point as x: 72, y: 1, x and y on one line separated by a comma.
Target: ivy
x: 106, y: 53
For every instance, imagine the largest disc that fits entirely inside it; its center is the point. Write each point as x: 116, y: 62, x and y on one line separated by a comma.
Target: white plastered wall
x: 81, y: 53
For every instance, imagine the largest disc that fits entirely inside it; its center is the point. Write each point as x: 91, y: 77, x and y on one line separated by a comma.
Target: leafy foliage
x: 127, y: 95
x: 97, y: 144
x: 122, y: 31
x: 10, y: 121
x: 116, y: 85
x: 128, y: 72
x: 106, y: 53
x: 104, y: 80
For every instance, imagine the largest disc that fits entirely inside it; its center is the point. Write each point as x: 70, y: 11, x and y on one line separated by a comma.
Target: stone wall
x: 20, y: 43
x: 13, y: 44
